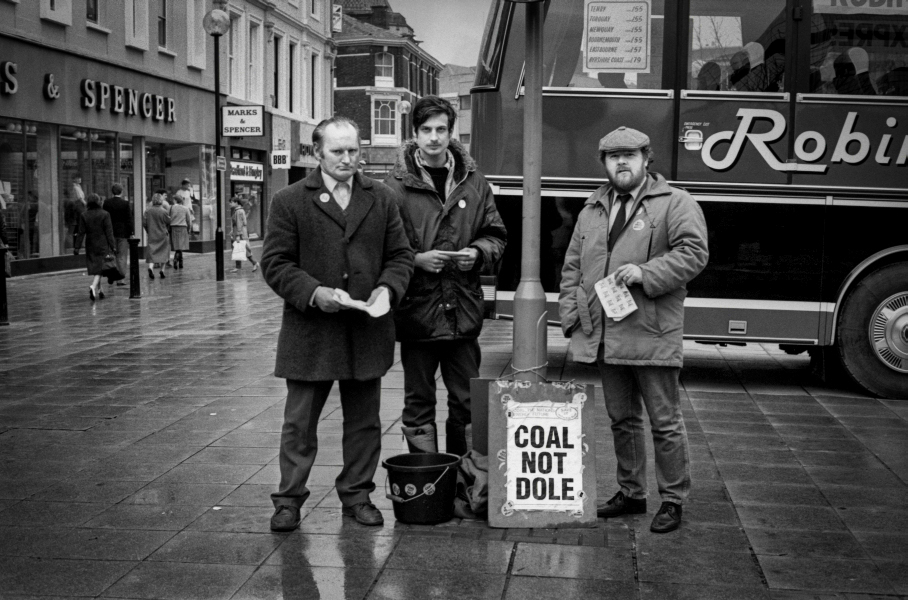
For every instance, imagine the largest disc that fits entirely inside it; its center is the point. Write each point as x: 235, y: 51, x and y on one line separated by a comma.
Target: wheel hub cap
x: 889, y: 332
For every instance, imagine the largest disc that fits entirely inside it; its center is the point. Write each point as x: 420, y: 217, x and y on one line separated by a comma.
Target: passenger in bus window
x: 653, y: 239
x: 894, y: 83
x: 454, y: 227
x: 851, y: 73
x: 709, y: 77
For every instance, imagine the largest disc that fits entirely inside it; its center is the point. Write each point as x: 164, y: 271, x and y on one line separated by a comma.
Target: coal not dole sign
x: 242, y: 121
x: 542, y: 464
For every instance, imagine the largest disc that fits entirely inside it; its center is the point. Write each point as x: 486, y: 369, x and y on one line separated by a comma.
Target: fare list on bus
x: 545, y: 455
x: 616, y: 36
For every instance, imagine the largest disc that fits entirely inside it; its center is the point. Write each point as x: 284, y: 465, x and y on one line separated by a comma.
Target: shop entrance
x: 250, y: 195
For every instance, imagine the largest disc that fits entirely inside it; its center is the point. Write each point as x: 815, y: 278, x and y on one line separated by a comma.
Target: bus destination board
x: 616, y: 36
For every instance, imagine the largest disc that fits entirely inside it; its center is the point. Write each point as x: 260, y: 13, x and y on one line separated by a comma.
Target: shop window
x: 737, y: 46
x: 57, y: 11
x: 384, y: 70
x: 136, y: 12
x: 858, y: 50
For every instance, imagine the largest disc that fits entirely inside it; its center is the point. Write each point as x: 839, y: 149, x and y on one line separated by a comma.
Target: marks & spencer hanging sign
x: 542, y: 465
x: 243, y: 121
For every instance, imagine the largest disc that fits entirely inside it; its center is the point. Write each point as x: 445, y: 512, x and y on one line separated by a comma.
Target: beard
x: 626, y: 180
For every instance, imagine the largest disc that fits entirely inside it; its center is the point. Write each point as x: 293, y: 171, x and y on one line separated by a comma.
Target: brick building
x: 379, y: 66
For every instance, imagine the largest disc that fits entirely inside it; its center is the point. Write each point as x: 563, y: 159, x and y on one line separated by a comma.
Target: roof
x: 354, y: 29
x: 458, y: 70
x: 362, y: 5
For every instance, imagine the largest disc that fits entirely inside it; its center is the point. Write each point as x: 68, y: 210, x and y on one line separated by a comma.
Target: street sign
x: 222, y: 163
x: 243, y: 121
x: 280, y: 159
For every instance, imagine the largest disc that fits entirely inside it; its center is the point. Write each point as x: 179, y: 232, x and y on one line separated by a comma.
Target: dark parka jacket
x: 666, y: 237
x: 446, y: 305
x: 310, y: 242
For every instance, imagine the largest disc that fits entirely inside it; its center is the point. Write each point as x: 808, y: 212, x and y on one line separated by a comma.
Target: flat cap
x: 623, y: 138
x: 186, y: 181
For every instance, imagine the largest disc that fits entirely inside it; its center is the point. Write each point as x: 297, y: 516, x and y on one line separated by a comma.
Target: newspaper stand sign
x: 542, y: 463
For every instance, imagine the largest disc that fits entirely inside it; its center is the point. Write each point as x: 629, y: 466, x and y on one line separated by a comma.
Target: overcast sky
x: 450, y: 30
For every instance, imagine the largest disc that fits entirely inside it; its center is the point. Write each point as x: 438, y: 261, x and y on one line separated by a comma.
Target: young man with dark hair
x: 450, y: 216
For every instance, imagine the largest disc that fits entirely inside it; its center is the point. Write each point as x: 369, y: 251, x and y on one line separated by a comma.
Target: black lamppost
x: 216, y: 24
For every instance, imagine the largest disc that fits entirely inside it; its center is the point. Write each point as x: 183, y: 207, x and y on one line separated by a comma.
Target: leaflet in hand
x: 615, y: 298
x: 380, y: 307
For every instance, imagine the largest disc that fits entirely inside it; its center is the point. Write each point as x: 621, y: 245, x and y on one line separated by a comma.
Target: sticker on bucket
x: 428, y: 489
x: 410, y: 489
x: 396, y: 489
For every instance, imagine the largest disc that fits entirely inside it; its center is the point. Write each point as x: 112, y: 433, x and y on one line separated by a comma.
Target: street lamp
x: 216, y: 24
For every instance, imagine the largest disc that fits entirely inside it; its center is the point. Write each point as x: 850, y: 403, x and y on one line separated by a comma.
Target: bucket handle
x: 400, y: 500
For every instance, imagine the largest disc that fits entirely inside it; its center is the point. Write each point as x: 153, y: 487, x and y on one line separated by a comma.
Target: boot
x: 456, y: 439
x: 421, y: 439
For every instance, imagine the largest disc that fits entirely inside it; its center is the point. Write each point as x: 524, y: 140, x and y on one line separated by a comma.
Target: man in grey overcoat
x: 652, y: 238
x: 335, y: 232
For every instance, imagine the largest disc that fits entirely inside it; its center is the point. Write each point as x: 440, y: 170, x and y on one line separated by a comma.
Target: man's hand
x: 376, y: 292
x: 465, y: 263
x: 431, y: 261
x: 325, y: 300
x: 629, y: 275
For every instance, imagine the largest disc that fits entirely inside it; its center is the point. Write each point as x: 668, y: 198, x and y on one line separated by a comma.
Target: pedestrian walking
x: 239, y: 231
x: 180, y: 225
x: 121, y: 221
x: 652, y: 238
x: 450, y: 217
x: 335, y: 234
x: 73, y: 208
x: 94, y: 227
x: 156, y: 222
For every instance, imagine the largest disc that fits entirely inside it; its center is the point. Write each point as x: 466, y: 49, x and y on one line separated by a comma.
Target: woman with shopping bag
x: 240, y: 236
x: 95, y: 229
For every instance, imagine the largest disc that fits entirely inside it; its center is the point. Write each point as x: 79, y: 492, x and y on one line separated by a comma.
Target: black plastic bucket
x: 422, y: 486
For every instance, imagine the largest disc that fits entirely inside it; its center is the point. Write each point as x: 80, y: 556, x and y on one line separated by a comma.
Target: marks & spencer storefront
x: 70, y: 127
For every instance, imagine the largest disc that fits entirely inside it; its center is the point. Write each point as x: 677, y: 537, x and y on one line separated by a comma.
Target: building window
x: 384, y: 122
x: 313, y: 84
x: 233, y: 59
x: 195, y: 34
x: 292, y: 80
x: 136, y: 23
x: 58, y: 11
x: 162, y: 23
x: 254, y: 63
x: 91, y: 11
x: 465, y: 138
x: 313, y: 8
x: 466, y: 102
x: 384, y: 70
x: 276, y: 90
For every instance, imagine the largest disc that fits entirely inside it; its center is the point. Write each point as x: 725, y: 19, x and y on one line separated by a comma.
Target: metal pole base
x: 4, y: 304
x: 135, y: 288
x: 530, y: 331
x: 219, y: 251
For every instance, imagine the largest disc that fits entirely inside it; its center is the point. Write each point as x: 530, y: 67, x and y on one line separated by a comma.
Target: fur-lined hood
x: 406, y: 169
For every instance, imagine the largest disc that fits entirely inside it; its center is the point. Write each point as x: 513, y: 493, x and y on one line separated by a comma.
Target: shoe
x: 91, y: 293
x: 621, y: 505
x: 234, y: 270
x: 255, y: 267
x: 150, y: 273
x: 667, y: 519
x: 120, y: 283
x: 100, y: 294
x: 162, y: 274
x: 365, y: 513
x: 285, y: 518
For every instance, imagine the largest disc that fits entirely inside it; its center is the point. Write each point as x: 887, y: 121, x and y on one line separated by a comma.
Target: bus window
x: 858, y: 50
x: 604, y: 44
x: 737, y: 45
x: 488, y: 71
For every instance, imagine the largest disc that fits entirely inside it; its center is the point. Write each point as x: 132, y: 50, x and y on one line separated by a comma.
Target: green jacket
x: 666, y: 237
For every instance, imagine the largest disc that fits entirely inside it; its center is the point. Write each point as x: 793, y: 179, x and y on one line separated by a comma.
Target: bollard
x: 4, y: 306
x: 135, y: 290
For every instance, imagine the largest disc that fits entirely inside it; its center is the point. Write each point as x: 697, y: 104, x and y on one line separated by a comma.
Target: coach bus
x: 786, y: 119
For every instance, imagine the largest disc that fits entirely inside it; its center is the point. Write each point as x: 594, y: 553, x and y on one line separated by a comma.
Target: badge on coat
x: 638, y: 224
x: 324, y: 197
x: 462, y: 204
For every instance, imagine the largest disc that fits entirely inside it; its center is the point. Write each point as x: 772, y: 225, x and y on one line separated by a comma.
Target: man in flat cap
x: 652, y: 238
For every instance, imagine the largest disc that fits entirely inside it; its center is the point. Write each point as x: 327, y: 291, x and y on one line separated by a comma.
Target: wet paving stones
x: 139, y: 444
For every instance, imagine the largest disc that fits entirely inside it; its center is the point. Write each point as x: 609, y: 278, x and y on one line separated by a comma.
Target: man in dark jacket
x: 454, y: 227
x: 652, y: 238
x: 123, y: 227
x: 333, y: 239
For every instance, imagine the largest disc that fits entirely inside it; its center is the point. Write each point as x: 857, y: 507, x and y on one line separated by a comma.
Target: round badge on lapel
x: 638, y: 224
x: 462, y: 204
x: 324, y: 197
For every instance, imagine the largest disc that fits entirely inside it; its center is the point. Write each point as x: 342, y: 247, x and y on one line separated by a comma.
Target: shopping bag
x: 110, y: 269
x: 239, y: 250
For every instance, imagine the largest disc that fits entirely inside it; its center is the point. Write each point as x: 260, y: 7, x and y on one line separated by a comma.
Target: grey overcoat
x: 310, y: 242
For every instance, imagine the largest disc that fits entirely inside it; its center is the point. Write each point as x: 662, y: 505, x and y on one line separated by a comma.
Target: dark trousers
x: 360, y: 402
x: 459, y: 361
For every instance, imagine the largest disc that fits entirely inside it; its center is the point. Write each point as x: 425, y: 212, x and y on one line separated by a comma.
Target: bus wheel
x: 873, y: 332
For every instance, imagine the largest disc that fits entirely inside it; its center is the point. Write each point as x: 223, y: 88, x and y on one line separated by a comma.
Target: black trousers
x: 360, y: 401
